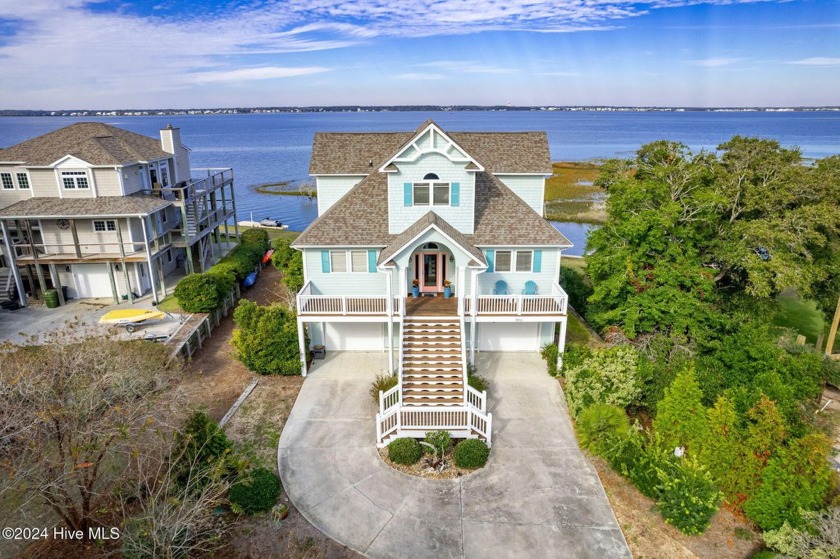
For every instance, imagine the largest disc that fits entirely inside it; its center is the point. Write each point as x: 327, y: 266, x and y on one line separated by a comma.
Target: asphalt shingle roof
x: 431, y: 218
x: 103, y: 206
x: 93, y: 142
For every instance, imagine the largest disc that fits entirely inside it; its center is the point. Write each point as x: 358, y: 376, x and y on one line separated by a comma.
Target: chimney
x: 170, y: 142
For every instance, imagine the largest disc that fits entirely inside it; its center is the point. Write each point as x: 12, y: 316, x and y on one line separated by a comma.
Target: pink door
x: 431, y: 269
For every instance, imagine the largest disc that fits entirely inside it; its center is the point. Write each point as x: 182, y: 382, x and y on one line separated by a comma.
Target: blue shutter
x: 489, y: 255
x: 455, y: 194
x: 325, y: 261
x: 407, y: 194
x: 537, y: 261
x: 372, y: 261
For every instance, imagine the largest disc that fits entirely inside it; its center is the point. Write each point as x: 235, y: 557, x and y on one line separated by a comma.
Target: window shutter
x: 372, y: 261
x: 537, y: 263
x: 407, y: 194
x: 455, y: 194
x: 325, y: 261
x: 489, y: 255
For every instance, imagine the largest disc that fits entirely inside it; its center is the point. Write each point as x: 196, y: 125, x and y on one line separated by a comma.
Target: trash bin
x: 51, y: 298
x: 319, y: 352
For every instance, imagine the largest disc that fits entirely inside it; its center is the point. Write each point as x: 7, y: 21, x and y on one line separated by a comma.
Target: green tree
x: 290, y: 262
x: 681, y: 417
x: 797, y: 478
x: 723, y: 450
x: 607, y: 376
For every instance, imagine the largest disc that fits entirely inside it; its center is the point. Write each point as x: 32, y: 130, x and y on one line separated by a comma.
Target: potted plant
x: 447, y: 288
x: 415, y: 288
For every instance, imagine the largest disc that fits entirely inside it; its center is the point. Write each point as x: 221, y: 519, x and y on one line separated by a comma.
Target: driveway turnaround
x: 536, y: 497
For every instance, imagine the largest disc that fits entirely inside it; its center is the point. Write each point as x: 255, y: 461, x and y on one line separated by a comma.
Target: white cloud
x: 251, y: 74
x: 817, y: 61
x: 716, y: 62
x: 420, y: 76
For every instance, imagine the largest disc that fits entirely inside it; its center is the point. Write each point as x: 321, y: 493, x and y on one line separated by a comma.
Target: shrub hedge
x: 600, y: 424
x: 549, y: 353
x: 266, y: 338
x: 200, y: 292
x: 254, y: 491
x: 256, y: 237
x: 608, y: 376
x: 404, y: 451
x: 471, y: 453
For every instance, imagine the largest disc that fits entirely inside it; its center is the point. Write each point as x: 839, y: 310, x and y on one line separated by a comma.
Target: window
x: 163, y: 217
x: 436, y: 193
x: 338, y: 261
x: 523, y: 260
x: 7, y: 181
x: 431, y: 177
x: 169, y: 256
x: 503, y: 258
x: 23, y: 181
x: 102, y: 225
x: 358, y: 261
x: 514, y: 260
x: 74, y: 179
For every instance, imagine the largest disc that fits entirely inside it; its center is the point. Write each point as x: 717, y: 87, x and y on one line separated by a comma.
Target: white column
x: 473, y: 312
x: 302, y: 346
x: 561, y: 343
x: 145, y: 221
x: 389, y: 308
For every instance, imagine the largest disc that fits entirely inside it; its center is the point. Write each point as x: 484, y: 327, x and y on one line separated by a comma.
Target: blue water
x: 264, y: 148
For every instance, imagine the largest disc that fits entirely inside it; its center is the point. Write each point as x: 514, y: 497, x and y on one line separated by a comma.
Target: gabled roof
x: 103, y: 206
x: 93, y: 142
x: 362, y: 153
x: 360, y: 218
x: 428, y: 221
x: 438, y: 142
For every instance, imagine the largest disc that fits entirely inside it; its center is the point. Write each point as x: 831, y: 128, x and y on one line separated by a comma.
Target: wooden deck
x: 431, y: 306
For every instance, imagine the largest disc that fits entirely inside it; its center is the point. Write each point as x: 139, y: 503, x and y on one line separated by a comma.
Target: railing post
x: 344, y: 305
x: 381, y: 404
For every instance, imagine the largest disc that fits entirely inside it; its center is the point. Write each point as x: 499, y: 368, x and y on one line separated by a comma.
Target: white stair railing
x: 475, y: 398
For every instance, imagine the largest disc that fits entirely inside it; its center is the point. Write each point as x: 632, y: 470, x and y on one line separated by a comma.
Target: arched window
x: 431, y: 177
x: 430, y: 246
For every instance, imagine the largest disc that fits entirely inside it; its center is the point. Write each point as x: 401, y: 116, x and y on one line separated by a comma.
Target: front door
x: 430, y: 268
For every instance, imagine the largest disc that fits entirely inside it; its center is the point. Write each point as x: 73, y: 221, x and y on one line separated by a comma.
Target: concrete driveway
x: 537, y: 496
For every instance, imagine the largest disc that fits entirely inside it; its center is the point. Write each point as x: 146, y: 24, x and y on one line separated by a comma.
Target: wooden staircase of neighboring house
x: 7, y: 284
x: 433, y: 373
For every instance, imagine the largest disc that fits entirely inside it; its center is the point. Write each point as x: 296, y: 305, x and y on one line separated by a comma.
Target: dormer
x: 431, y: 172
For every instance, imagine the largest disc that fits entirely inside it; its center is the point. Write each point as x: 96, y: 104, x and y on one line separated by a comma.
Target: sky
x: 103, y: 54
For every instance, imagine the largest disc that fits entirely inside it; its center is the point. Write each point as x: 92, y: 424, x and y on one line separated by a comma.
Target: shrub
x: 225, y: 277
x: 600, y: 424
x: 681, y: 417
x: 201, y: 444
x: 476, y: 382
x: 577, y: 286
x: 239, y: 261
x: 549, y: 353
x: 383, y: 382
x: 639, y: 461
x: 266, y: 339
x: 290, y: 262
x: 797, y: 478
x: 255, y: 491
x: 199, y: 293
x: 256, y: 237
x: 818, y: 538
x: 471, y: 453
x: 608, y: 376
x: 404, y: 451
x: 441, y: 440
x: 688, y: 497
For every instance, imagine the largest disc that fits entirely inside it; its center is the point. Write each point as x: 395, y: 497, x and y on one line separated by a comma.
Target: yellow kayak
x: 130, y: 317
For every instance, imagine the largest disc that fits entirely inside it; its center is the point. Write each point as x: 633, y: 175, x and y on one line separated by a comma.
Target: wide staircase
x: 432, y: 394
x: 433, y: 374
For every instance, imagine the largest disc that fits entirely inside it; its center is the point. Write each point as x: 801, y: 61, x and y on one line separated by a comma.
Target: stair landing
x: 429, y: 305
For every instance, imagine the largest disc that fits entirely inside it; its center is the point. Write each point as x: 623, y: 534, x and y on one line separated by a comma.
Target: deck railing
x: 309, y: 303
x: 465, y: 421
x: 476, y: 398
x: 555, y: 303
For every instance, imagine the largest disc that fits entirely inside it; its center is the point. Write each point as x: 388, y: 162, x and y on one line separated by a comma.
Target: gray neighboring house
x: 104, y: 212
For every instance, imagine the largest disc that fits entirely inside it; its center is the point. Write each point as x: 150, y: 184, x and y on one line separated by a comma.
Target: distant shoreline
x: 399, y: 108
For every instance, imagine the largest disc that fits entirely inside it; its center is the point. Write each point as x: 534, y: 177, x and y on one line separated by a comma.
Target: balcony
x: 554, y: 304
x: 311, y: 304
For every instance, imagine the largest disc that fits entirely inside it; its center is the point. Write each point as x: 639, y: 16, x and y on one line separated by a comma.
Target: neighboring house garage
x: 91, y: 280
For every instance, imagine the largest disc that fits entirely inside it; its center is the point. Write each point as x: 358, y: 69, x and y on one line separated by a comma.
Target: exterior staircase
x: 433, y: 374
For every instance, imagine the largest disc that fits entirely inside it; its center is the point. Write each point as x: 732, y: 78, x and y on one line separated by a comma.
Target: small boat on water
x: 266, y: 223
x: 130, y: 318
x: 249, y: 280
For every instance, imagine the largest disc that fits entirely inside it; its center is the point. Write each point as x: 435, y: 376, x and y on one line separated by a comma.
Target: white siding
x: 547, y: 275
x: 132, y: 179
x: 9, y: 197
x: 400, y: 217
x: 332, y: 188
x: 107, y: 182
x: 528, y: 187
x: 343, y: 283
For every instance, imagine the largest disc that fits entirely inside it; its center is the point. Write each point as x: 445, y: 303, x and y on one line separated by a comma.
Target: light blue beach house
x: 431, y: 246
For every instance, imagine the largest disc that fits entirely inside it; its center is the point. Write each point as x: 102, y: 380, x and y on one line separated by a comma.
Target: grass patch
x: 272, y: 233
x: 285, y: 188
x: 578, y: 264
x: 802, y: 316
x: 576, y: 333
x: 572, y: 180
x: 169, y: 304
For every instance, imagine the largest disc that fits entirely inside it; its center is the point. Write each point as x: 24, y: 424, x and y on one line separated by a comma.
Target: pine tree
x: 681, y: 418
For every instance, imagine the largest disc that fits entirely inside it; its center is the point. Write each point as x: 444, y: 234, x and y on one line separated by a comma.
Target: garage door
x: 345, y: 336
x: 92, y: 281
x: 508, y: 336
